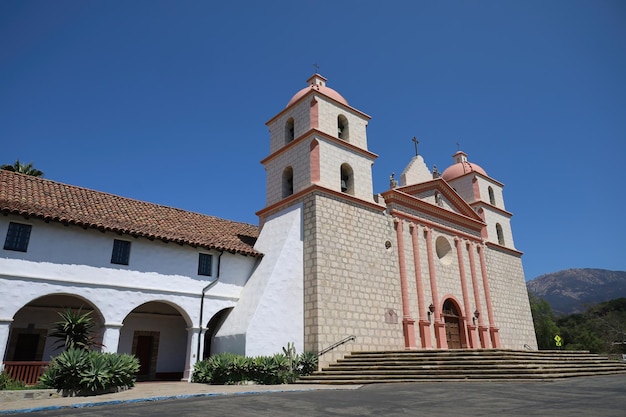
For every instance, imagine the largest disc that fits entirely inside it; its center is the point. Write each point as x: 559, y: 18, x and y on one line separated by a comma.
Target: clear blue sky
x: 166, y: 101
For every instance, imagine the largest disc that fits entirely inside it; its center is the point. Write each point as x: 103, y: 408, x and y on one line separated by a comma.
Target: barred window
x: 205, y: 262
x: 18, y: 236
x: 121, y: 252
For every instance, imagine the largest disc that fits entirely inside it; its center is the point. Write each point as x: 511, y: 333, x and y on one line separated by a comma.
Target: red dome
x: 318, y: 83
x: 462, y: 167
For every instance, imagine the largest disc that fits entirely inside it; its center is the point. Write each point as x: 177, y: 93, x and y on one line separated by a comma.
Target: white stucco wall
x: 270, y: 312
x: 74, y: 261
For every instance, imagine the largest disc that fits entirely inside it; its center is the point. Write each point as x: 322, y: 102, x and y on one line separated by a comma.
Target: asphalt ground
x: 582, y: 396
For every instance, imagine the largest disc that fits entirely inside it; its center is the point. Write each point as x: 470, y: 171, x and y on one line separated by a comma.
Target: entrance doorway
x: 145, y: 348
x: 451, y: 319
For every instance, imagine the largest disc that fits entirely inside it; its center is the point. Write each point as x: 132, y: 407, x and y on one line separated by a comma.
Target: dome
x: 461, y: 167
x: 318, y: 83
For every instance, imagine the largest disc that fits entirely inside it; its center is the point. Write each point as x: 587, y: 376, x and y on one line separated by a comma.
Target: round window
x: 444, y: 250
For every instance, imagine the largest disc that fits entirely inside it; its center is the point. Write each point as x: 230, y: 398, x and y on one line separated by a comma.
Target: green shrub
x: 8, y: 383
x: 79, y: 371
x: 229, y: 368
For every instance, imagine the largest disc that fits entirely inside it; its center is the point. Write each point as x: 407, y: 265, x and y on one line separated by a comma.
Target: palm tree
x: 27, y: 169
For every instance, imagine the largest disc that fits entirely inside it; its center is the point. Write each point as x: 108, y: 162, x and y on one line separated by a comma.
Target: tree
x: 543, y: 319
x: 75, y: 330
x: 27, y: 169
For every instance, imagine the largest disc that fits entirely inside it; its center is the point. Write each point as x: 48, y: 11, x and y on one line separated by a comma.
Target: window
x: 492, y: 198
x: 347, y: 179
x: 18, y: 236
x: 289, y: 130
x: 342, y: 127
x: 500, y: 234
x: 205, y: 262
x: 287, y: 182
x: 121, y: 252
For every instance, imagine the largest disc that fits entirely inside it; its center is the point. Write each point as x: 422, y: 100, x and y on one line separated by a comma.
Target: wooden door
x: 453, y: 332
x: 144, y: 353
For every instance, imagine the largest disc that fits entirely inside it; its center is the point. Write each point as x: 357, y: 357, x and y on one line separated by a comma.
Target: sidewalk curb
x: 140, y: 400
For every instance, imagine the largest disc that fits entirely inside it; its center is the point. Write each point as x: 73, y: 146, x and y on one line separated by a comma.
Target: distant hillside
x: 571, y: 290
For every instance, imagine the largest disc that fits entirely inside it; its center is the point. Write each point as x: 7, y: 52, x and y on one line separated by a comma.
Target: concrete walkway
x: 29, y: 401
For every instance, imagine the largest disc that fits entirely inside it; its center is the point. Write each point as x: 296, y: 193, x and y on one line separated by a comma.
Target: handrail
x: 334, y: 345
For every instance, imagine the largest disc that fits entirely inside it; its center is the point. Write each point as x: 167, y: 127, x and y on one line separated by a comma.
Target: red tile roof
x: 30, y: 196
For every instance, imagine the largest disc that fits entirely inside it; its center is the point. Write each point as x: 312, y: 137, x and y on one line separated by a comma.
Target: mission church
x: 429, y: 263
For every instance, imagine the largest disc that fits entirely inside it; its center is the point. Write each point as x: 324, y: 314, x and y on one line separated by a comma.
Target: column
x: 111, y: 337
x: 440, y: 326
x: 5, y: 329
x: 193, y: 333
x: 424, y: 324
x: 482, y: 329
x: 407, y: 322
x: 493, y: 330
x: 466, y: 304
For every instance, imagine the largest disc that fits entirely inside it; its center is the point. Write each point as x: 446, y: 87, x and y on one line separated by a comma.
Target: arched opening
x: 347, y: 179
x: 452, y: 321
x: 28, y: 338
x: 287, y: 187
x: 212, y: 327
x: 492, y: 198
x: 289, y: 130
x: 343, y: 130
x: 500, y: 234
x: 155, y: 332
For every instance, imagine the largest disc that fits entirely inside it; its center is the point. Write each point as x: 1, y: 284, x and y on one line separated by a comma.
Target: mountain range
x: 573, y: 290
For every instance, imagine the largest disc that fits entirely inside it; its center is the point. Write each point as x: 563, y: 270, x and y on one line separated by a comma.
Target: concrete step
x: 463, y: 365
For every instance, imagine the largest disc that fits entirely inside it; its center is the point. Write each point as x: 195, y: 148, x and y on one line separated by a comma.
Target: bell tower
x: 318, y: 140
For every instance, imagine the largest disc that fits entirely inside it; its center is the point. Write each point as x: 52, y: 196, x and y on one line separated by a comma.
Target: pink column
x: 424, y: 324
x: 314, y: 114
x: 440, y: 330
x: 493, y: 330
x: 407, y: 321
x: 482, y: 329
x: 466, y: 304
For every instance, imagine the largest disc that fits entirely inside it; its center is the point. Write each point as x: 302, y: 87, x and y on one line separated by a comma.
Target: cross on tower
x: 458, y: 146
x: 317, y: 68
x: 415, y: 141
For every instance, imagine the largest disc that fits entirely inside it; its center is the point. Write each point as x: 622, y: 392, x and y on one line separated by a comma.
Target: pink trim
x: 407, y: 321
x: 481, y: 327
x: 316, y: 132
x: 424, y: 324
x: 314, y: 114
x: 493, y: 330
x: 467, y: 317
x: 433, y: 225
x: 440, y: 331
x: 314, y: 161
x: 476, y: 188
x: 462, y: 324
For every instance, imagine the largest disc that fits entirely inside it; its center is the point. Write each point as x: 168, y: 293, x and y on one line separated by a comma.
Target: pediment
x: 437, y: 195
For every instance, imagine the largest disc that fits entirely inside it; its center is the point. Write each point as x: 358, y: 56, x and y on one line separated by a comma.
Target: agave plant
x: 75, y: 330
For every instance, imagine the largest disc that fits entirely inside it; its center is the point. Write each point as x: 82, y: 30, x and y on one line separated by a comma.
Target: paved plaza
x: 582, y: 396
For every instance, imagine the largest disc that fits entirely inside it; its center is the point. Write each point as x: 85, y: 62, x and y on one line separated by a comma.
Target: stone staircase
x: 462, y: 365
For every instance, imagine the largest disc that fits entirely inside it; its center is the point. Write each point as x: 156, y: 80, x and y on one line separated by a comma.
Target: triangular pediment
x: 439, y: 193
x: 435, y: 198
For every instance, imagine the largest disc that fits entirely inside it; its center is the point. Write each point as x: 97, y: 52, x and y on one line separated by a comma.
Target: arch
x: 347, y: 179
x: 287, y: 182
x: 314, y: 161
x: 492, y: 198
x: 343, y: 129
x: 452, y: 315
x: 500, y: 234
x: 29, y: 341
x: 289, y: 130
x: 212, y: 327
x: 156, y: 332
